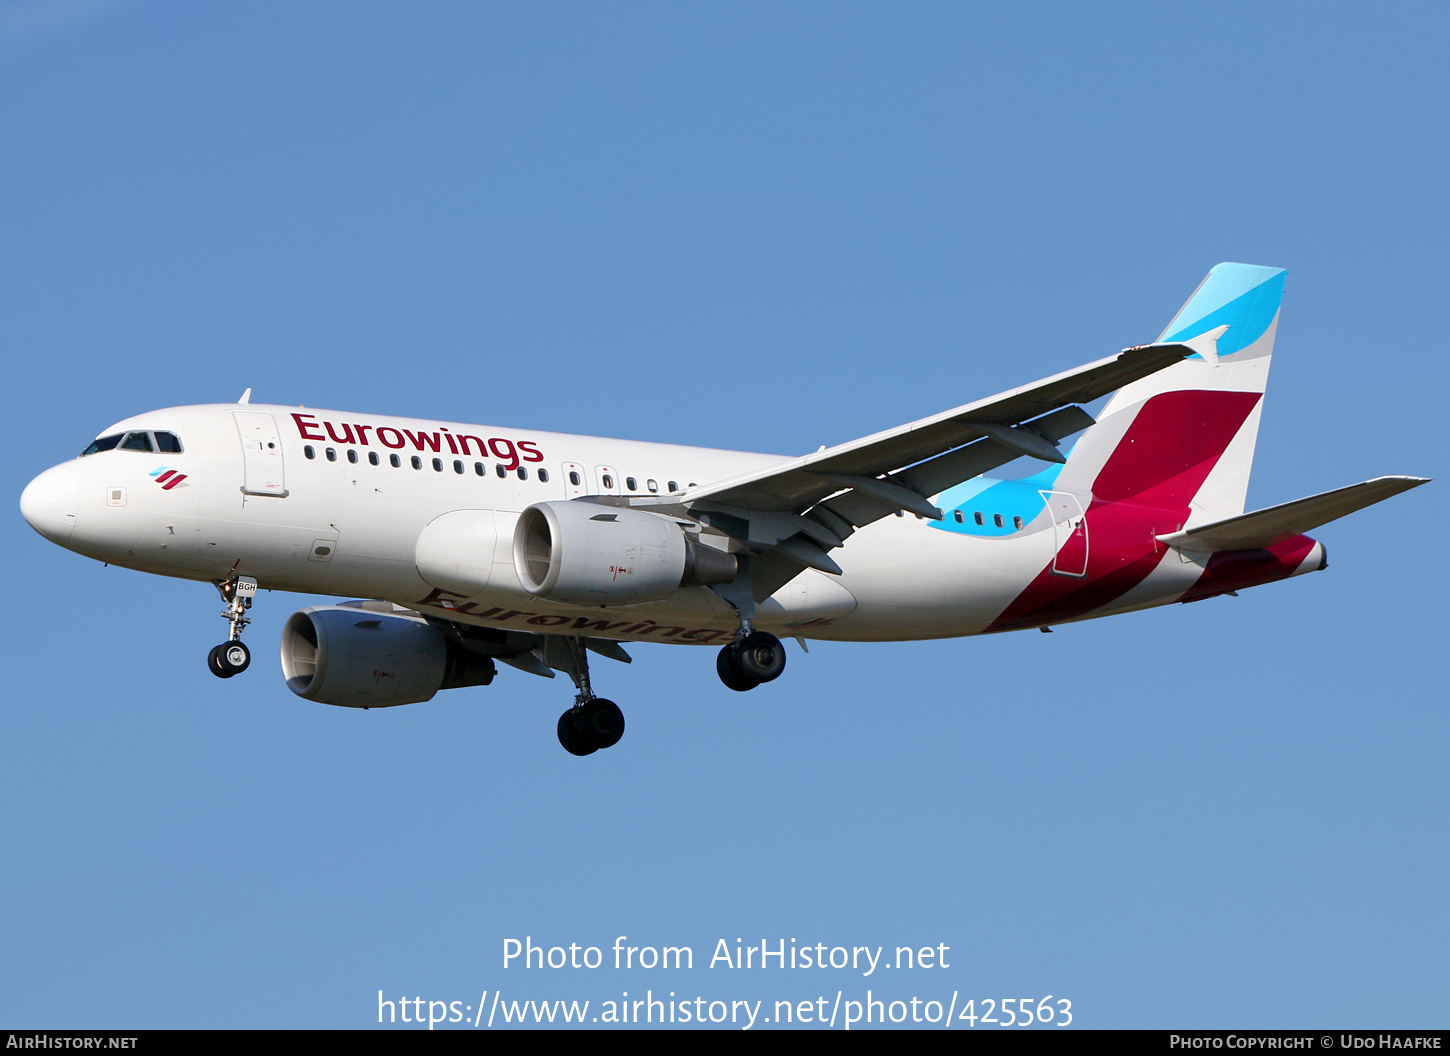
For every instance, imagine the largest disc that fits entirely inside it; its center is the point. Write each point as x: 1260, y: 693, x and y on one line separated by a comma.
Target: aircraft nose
x: 50, y: 501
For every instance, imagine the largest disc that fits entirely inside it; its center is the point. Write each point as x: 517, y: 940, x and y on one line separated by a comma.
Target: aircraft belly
x: 696, y: 616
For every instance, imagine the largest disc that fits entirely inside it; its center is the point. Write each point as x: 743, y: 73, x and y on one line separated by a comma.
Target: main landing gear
x: 754, y: 657
x: 232, y: 657
x: 593, y: 722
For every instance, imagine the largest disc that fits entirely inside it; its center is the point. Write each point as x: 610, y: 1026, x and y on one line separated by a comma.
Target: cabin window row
x: 606, y: 481
x: 979, y: 519
x: 396, y: 461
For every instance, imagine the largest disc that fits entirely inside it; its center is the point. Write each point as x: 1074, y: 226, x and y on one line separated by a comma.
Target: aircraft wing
x: 930, y: 455
x: 788, y: 516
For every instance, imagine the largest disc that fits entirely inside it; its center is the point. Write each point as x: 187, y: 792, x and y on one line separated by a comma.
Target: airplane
x: 475, y: 546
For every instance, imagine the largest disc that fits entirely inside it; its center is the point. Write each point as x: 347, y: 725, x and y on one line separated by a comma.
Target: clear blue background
x: 767, y: 226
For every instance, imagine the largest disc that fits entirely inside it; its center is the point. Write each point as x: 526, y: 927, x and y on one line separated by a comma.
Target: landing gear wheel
x: 228, y: 659
x: 601, y: 722
x: 571, y: 737
x: 728, y: 668
x: 760, y: 656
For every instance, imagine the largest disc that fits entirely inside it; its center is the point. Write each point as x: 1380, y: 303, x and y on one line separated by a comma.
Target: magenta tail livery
x: 482, y: 545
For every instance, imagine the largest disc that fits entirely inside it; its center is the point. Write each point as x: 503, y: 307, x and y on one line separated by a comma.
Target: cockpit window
x: 105, y: 443
x: 138, y: 440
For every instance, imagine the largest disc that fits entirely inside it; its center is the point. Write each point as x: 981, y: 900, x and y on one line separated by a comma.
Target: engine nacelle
x: 358, y: 658
x: 583, y: 553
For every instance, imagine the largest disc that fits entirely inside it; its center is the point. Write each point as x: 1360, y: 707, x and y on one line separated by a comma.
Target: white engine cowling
x: 456, y: 550
x: 584, y: 553
x: 358, y: 658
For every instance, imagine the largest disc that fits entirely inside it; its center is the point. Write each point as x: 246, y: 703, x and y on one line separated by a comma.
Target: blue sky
x: 763, y: 226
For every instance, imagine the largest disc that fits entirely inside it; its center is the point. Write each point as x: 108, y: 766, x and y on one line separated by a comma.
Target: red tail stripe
x: 1172, y: 445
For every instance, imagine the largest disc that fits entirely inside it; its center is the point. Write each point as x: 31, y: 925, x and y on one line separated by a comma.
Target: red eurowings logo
x: 168, y: 478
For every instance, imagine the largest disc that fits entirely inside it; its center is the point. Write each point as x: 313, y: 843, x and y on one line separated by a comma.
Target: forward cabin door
x: 1069, y: 529
x: 261, y: 454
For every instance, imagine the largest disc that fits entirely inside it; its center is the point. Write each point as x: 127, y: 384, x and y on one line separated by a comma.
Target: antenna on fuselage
x: 246, y: 397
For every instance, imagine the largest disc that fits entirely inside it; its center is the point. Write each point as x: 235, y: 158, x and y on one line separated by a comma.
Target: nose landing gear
x: 232, y: 657
x: 228, y: 659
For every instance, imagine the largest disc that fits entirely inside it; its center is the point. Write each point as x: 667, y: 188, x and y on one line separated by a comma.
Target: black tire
x: 728, y: 668
x: 228, y: 659
x: 571, y: 737
x: 601, y: 722
x: 214, y: 664
x: 760, y: 656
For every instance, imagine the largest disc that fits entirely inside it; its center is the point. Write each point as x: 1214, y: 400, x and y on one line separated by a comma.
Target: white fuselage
x: 346, y: 521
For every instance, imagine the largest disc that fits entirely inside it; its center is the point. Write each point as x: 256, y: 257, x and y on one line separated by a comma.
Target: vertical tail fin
x: 1183, y: 438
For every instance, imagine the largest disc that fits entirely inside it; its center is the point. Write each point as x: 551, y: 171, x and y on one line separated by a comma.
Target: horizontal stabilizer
x: 1262, y: 528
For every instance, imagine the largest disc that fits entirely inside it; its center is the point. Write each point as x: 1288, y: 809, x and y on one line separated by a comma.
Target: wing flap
x: 1261, y: 528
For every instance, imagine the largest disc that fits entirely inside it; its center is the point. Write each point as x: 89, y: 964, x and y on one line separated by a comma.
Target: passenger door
x: 261, y: 454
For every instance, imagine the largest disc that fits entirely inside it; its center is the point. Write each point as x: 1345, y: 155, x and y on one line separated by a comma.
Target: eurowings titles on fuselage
x: 484, y: 545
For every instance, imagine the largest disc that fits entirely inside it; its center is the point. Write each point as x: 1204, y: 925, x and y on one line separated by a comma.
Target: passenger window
x: 1017, y: 523
x: 573, y: 477
x: 958, y: 515
x: 543, y: 476
x: 673, y: 486
x: 457, y: 466
x: 523, y: 473
x: 978, y: 518
x: 105, y: 443
x: 500, y: 471
x: 373, y: 457
x: 478, y: 468
x: 352, y: 456
x: 608, y: 481
x: 417, y: 462
x: 394, y: 461
x: 438, y: 465
x: 137, y: 442
x: 997, y: 520
x: 309, y: 451
x: 631, y: 483
x: 168, y: 442
x: 332, y: 454
x: 653, y: 485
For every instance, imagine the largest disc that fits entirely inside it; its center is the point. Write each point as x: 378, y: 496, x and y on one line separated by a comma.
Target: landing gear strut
x: 232, y: 657
x: 593, y: 722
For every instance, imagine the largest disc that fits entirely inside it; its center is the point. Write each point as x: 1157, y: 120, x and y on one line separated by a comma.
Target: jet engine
x: 359, y: 658
x: 583, y: 553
